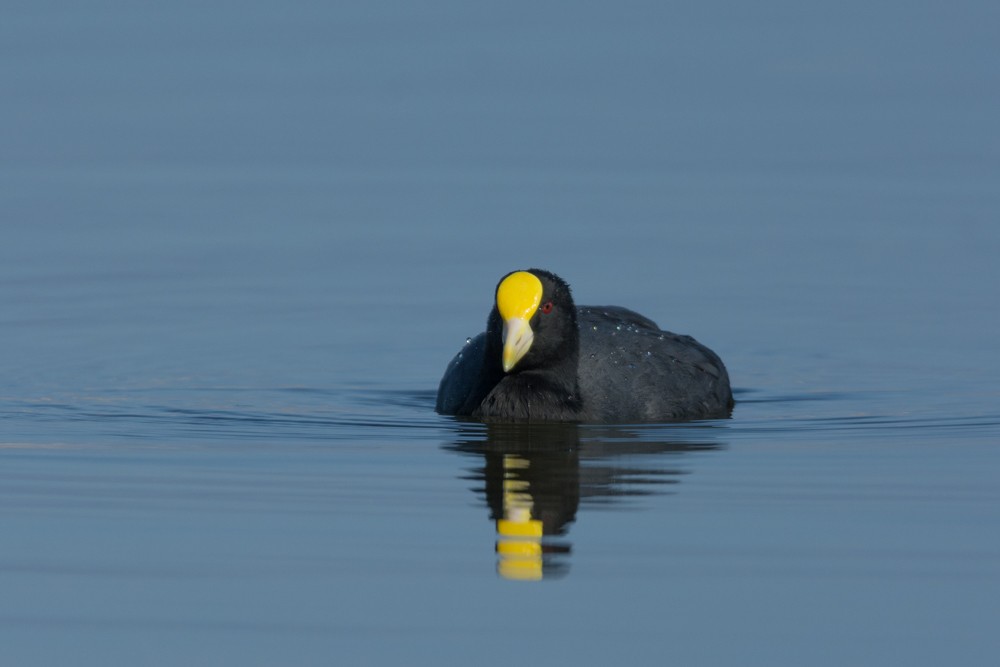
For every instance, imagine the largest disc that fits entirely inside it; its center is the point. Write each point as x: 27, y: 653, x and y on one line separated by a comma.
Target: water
x: 241, y: 243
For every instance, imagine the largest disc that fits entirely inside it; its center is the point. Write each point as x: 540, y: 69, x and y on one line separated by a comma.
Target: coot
x: 542, y: 358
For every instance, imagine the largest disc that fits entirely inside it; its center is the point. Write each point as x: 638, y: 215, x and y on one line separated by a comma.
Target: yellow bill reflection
x: 519, y: 536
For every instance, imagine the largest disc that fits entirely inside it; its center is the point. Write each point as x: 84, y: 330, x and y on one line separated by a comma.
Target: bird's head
x: 537, y: 317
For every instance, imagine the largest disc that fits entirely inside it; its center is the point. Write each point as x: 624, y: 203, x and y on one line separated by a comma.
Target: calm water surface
x: 241, y: 243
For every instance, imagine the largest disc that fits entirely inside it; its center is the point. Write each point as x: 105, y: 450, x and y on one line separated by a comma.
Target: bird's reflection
x: 534, y: 478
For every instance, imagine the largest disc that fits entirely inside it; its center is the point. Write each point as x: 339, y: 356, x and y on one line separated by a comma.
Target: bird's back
x: 631, y: 370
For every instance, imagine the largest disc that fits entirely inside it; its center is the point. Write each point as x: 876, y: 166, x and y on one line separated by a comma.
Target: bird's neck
x: 533, y: 394
x: 557, y: 376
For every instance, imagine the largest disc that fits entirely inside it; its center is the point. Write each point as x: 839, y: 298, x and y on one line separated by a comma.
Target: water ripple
x: 367, y: 413
x: 227, y: 413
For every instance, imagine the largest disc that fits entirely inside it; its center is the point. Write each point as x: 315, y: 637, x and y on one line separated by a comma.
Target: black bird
x: 542, y: 358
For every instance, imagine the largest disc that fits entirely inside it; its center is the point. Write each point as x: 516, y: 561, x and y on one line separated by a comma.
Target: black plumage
x: 583, y: 364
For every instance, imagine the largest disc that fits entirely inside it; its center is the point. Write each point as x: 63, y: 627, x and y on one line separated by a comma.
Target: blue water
x: 240, y: 243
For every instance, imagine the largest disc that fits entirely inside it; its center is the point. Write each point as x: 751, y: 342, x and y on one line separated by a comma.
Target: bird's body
x: 581, y: 364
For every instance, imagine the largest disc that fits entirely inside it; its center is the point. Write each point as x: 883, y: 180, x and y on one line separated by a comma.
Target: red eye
x: 546, y: 307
